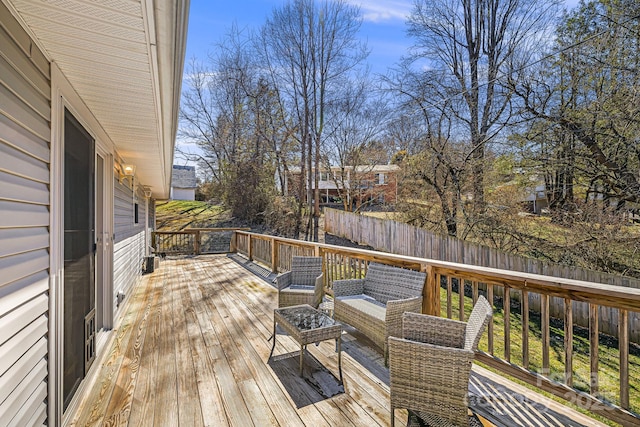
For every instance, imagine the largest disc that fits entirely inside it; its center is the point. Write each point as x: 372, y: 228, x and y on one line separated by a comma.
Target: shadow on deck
x: 192, y: 350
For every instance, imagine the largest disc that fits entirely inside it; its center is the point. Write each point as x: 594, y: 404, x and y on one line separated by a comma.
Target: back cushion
x: 384, y: 282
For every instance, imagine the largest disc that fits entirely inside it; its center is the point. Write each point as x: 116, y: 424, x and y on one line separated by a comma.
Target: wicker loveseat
x: 374, y: 305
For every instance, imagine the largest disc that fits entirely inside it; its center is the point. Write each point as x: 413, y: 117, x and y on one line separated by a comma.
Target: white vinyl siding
x: 25, y: 114
x: 129, y: 244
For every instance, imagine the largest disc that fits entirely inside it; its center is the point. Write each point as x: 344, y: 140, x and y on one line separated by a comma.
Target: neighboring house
x: 89, y: 98
x: 536, y: 196
x: 372, y: 184
x: 183, y: 183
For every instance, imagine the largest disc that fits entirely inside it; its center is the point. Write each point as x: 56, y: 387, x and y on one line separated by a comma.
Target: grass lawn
x: 176, y: 215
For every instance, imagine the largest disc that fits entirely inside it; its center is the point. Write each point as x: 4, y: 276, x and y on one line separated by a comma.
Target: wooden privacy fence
x: 404, y: 239
x: 451, y: 290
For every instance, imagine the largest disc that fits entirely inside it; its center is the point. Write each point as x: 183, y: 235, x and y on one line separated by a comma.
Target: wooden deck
x: 192, y: 350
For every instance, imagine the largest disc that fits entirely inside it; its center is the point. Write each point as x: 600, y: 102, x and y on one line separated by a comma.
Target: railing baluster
x: 475, y: 291
x: 490, y: 328
x: 449, y: 292
x: 274, y: 255
x: 544, y: 319
x: 568, y: 342
x: 525, y: 328
x: 506, y: 307
x: 594, y: 344
x: 461, y: 300
x: 623, y: 344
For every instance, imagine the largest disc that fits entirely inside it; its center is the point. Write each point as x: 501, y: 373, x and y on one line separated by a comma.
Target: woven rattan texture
x: 429, y: 368
x: 398, y: 289
x: 307, y: 272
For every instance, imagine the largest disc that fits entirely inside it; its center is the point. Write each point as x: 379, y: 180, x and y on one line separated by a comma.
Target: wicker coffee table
x: 307, y: 325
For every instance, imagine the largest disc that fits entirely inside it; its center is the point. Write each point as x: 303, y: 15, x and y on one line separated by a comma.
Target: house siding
x: 129, y: 243
x: 25, y: 132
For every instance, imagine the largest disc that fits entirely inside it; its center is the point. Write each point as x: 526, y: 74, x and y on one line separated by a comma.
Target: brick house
x: 355, y: 186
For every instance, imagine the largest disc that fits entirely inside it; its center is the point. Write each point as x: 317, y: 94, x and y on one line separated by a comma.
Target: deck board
x: 192, y: 350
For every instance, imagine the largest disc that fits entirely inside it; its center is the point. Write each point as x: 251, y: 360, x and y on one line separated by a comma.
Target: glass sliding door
x: 79, y: 255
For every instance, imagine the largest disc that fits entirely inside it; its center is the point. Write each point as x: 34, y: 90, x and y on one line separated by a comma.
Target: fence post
x: 431, y: 292
x: 274, y: 255
x: 250, y: 248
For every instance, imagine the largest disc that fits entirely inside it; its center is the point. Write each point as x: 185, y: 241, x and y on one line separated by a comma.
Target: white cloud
x: 383, y: 10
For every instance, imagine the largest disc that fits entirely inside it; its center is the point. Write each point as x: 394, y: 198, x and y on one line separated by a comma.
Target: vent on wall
x: 119, y: 298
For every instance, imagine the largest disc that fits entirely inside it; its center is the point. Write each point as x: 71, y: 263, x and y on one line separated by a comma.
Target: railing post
x: 431, y: 292
x: 274, y: 255
x: 250, y: 248
x: 233, y: 244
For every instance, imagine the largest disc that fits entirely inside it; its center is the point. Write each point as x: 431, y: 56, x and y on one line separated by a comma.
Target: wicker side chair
x: 430, y: 366
x: 303, y: 284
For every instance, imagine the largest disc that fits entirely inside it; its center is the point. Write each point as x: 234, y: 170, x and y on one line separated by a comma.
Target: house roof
x: 184, y: 177
x: 125, y: 59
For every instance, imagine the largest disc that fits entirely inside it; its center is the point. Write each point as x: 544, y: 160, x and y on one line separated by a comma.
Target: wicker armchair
x: 303, y: 284
x: 430, y: 366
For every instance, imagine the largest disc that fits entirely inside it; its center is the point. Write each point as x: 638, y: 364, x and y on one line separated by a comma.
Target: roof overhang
x: 125, y: 60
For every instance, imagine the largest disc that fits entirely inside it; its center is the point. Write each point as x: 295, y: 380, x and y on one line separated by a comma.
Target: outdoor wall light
x: 147, y: 192
x: 127, y: 171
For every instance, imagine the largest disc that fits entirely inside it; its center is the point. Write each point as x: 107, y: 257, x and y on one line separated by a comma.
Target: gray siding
x: 25, y: 112
x: 129, y: 245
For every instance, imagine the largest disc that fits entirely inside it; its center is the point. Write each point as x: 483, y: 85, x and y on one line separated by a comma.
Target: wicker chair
x: 374, y: 305
x: 303, y: 284
x: 430, y: 366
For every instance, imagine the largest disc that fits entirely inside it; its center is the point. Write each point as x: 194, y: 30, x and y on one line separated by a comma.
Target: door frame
x: 63, y: 96
x: 104, y: 284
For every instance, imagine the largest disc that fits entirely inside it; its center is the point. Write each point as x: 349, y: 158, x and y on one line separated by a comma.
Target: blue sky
x: 383, y: 27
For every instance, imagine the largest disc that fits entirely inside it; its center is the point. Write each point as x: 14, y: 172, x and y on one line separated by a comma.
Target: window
x: 135, y: 213
x: 380, y: 179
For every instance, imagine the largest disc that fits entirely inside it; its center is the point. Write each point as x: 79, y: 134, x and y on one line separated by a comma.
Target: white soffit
x: 124, y: 58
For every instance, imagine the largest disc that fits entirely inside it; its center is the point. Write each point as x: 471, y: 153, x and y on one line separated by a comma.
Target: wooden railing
x: 451, y: 289
x: 193, y: 241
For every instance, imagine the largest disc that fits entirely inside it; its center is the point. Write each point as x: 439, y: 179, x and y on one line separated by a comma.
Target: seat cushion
x: 366, y: 304
x: 298, y: 288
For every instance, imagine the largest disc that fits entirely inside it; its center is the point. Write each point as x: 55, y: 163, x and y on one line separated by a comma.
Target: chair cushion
x: 366, y: 304
x: 299, y: 288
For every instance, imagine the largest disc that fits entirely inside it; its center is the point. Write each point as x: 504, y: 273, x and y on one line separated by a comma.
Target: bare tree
x: 352, y: 147
x: 479, y: 43
x: 223, y: 112
x: 308, y: 48
x: 588, y: 94
x: 438, y: 160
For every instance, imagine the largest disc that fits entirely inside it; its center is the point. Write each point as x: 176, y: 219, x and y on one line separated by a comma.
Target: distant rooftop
x: 184, y: 177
